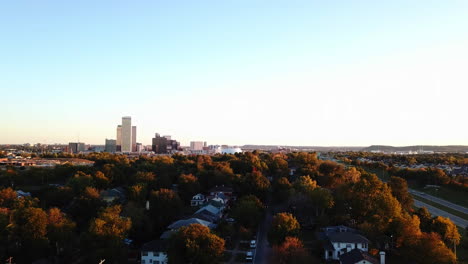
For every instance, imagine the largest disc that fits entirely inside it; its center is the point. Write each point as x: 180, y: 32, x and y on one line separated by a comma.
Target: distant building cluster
x: 125, y: 142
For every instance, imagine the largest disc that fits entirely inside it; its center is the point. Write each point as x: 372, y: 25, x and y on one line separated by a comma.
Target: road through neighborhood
x: 263, y: 251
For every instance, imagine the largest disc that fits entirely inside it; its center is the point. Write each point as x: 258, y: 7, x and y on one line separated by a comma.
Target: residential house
x: 206, y: 216
x: 154, y: 252
x: 212, y: 210
x: 221, y: 189
x: 198, y: 199
x: 20, y: 193
x: 357, y: 256
x: 339, y: 240
x: 113, y: 195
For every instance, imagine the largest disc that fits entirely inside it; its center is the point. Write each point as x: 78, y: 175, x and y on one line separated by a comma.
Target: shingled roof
x: 155, y: 246
x: 356, y: 255
x: 347, y: 237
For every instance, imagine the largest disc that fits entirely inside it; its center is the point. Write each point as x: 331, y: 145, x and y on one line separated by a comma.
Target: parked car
x: 249, y: 256
x: 253, y: 243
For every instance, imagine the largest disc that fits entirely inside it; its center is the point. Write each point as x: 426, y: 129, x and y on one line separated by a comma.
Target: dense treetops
x: 71, y: 214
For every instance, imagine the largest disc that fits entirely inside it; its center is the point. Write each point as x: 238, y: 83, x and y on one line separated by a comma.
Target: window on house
x: 151, y: 261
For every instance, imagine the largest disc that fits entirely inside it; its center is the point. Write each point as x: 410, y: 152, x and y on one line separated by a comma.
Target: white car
x: 253, y: 244
x: 249, y: 256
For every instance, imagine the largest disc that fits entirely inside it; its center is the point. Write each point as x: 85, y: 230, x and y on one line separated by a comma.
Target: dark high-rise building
x: 111, y: 145
x: 159, y: 144
x: 134, y: 143
x: 76, y: 147
x: 172, y: 145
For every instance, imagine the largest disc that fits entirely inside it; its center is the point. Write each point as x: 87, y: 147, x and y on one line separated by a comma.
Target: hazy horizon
x: 301, y: 73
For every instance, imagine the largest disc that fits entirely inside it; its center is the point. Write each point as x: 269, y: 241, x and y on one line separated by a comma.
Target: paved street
x: 438, y: 212
x: 440, y: 201
x: 263, y: 251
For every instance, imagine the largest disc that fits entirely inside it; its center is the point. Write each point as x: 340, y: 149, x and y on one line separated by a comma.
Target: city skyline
x: 303, y: 73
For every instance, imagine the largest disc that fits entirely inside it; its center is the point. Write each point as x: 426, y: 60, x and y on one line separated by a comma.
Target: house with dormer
x: 339, y: 240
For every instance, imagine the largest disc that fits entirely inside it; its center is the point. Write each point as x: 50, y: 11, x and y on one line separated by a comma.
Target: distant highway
x: 439, y: 201
x: 438, y: 212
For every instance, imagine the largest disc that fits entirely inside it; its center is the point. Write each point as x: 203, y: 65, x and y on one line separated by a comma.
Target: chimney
x: 382, y: 257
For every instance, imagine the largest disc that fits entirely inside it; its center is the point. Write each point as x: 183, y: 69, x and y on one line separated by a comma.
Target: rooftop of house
x: 222, y: 188
x: 198, y: 196
x: 209, y: 208
x: 216, y: 203
x: 167, y: 234
x: 155, y: 246
x: 119, y: 191
x: 205, y: 216
x: 347, y: 237
x: 185, y: 222
x: 357, y: 255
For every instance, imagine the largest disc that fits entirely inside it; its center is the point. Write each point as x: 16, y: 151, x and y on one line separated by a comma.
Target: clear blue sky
x: 236, y: 72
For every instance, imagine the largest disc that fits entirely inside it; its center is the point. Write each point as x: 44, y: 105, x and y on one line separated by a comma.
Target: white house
x: 339, y: 243
x: 197, y: 200
x: 154, y: 252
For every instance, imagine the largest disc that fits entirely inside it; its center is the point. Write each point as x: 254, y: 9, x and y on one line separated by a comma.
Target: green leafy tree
x: 28, y: 230
x: 101, y: 181
x: 60, y: 231
x: 85, y: 207
x: 188, y: 186
x: 248, y: 211
x: 104, y: 239
x: 282, y: 226
x: 447, y: 230
x: 305, y: 184
x: 282, y: 189
x: 399, y: 188
x: 195, y: 244
x: 7, y: 197
x: 80, y: 181
x: 165, y: 207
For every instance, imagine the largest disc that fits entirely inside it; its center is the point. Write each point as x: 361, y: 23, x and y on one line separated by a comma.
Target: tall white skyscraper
x: 126, y: 134
x: 134, y: 143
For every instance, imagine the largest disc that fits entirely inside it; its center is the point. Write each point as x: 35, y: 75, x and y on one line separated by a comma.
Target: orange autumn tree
x: 291, y: 251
